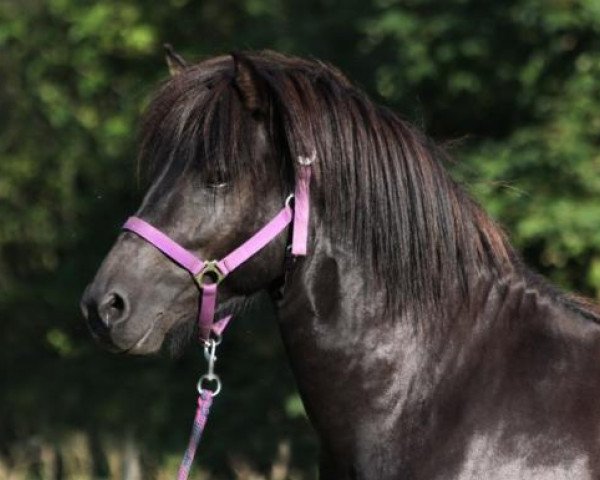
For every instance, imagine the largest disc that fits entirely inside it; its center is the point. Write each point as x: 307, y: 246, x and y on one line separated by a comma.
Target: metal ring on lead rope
x: 209, y: 378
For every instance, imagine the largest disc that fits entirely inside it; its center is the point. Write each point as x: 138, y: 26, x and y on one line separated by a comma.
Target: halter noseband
x: 208, y: 274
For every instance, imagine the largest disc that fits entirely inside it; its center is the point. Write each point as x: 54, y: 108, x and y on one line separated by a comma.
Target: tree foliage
x: 516, y: 82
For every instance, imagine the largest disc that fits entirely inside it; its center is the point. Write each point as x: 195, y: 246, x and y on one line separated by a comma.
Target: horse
x: 422, y: 345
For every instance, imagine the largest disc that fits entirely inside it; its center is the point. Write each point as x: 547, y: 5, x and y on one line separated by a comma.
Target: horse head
x: 217, y: 176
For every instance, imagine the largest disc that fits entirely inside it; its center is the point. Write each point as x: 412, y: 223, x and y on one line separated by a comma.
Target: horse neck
x: 367, y: 376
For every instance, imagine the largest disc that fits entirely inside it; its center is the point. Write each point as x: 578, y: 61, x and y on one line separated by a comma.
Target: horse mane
x: 380, y: 184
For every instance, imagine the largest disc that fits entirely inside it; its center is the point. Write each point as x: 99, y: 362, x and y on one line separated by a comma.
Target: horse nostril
x: 112, y: 309
x: 116, y: 302
x: 102, y: 315
x: 89, y: 308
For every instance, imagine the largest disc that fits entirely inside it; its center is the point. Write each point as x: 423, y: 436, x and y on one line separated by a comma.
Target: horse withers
x: 422, y: 347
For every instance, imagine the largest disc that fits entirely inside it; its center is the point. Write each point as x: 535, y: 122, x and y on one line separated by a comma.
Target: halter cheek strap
x: 301, y: 210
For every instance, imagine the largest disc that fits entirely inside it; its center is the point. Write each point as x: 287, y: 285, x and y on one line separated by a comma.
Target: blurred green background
x: 512, y: 87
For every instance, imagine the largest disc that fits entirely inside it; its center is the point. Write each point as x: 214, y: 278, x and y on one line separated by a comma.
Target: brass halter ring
x: 210, y: 274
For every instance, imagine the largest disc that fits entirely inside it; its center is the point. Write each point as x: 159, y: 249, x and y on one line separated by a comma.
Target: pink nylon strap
x: 258, y: 241
x: 220, y: 325
x: 207, y: 310
x: 301, y: 211
x: 173, y: 250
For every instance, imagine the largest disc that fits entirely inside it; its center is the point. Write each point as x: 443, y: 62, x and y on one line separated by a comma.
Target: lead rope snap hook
x: 210, y: 378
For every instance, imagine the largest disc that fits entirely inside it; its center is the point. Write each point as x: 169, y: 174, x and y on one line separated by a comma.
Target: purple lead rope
x: 205, y: 400
x: 208, y: 275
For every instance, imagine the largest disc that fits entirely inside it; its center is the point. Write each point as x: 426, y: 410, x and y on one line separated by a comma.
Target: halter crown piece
x: 208, y: 274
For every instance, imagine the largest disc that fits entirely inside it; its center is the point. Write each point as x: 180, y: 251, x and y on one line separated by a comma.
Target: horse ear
x: 175, y: 62
x: 249, y: 84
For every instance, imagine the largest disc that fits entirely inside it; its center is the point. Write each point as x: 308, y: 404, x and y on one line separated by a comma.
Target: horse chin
x: 179, y: 337
x: 147, y: 345
x: 139, y: 341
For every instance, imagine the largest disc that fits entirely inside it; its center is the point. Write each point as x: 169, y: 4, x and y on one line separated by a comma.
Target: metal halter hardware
x: 210, y: 354
x: 212, y: 271
x: 306, y: 161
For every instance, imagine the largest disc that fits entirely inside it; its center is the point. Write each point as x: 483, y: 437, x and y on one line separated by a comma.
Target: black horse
x: 423, y: 348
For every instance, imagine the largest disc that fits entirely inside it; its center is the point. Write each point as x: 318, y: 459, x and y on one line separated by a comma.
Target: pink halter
x: 209, y: 274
